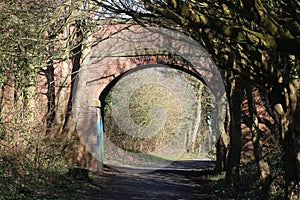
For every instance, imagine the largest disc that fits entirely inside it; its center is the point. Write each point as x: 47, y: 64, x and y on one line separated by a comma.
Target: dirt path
x: 180, y: 180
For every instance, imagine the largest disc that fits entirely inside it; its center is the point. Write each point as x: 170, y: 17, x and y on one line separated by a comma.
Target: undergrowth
x: 29, y: 182
x: 32, y: 164
x: 248, y: 187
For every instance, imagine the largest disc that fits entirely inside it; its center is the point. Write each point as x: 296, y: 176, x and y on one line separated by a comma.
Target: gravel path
x: 182, y: 180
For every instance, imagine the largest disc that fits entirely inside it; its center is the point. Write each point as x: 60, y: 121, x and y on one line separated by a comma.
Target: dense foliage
x: 148, y: 98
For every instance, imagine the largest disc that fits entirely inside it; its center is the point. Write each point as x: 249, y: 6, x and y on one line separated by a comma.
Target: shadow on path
x: 180, y: 180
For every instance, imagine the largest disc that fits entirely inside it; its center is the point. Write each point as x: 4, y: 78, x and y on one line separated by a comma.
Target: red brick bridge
x: 128, y: 47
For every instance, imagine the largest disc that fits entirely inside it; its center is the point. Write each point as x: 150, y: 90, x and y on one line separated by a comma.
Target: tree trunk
x: 260, y: 158
x: 49, y: 73
x: 221, y: 156
x: 82, y: 160
x: 80, y: 157
x: 224, y: 140
x: 64, y: 87
x: 290, y: 121
x: 235, y: 102
x: 195, y: 129
x: 287, y: 115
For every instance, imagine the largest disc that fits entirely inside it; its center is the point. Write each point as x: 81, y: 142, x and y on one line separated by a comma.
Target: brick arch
x: 124, y: 51
x: 144, y: 63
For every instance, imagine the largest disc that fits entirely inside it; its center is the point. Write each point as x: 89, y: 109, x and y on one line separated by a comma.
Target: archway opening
x: 161, y: 111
